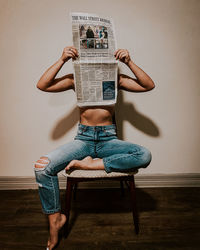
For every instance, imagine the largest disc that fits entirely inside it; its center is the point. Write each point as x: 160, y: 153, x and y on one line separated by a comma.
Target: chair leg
x: 74, y: 191
x: 122, y: 188
x: 68, y: 203
x: 134, y: 204
x: 128, y: 186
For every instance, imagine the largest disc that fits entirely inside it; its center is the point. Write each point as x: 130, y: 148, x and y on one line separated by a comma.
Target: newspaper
x: 95, y: 70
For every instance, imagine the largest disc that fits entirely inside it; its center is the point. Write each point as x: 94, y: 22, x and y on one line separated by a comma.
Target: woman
x: 96, y: 138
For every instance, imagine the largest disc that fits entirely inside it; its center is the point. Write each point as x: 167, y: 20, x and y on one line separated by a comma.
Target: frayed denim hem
x: 51, y: 211
x: 107, y: 168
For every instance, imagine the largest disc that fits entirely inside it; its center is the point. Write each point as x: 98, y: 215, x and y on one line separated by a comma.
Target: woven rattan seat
x: 95, y: 174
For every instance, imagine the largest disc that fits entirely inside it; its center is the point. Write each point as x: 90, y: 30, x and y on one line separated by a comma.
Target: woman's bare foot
x: 56, y: 222
x: 87, y: 163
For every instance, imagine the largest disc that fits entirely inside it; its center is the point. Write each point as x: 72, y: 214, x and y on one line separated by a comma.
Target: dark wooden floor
x: 102, y: 219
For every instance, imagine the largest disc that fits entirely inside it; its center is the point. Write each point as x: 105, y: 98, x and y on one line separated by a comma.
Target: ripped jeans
x: 95, y: 141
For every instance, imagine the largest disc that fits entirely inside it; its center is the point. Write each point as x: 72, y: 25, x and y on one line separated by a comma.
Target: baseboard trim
x: 142, y: 181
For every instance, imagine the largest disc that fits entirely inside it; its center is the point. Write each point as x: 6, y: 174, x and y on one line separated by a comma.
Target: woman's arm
x: 141, y: 83
x: 49, y: 83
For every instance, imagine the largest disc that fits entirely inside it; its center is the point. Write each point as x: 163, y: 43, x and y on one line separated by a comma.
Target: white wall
x: 162, y: 37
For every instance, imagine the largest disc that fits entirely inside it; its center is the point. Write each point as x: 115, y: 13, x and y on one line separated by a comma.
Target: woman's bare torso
x: 97, y: 115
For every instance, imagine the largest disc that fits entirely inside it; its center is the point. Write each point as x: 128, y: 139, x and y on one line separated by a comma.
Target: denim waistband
x: 96, y: 128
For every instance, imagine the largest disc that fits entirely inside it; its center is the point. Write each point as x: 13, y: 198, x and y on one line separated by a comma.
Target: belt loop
x: 104, y: 130
x: 82, y: 129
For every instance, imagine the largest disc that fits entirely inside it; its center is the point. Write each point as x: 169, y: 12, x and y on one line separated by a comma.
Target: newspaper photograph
x: 93, y: 37
x: 96, y: 68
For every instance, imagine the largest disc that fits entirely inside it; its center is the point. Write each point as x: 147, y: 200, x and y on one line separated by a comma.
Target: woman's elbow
x: 151, y: 85
x: 39, y: 86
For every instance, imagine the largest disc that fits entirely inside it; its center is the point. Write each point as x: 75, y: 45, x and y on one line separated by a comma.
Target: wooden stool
x: 76, y: 176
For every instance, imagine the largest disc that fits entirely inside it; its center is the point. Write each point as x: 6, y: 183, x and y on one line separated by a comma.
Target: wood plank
x: 102, y: 219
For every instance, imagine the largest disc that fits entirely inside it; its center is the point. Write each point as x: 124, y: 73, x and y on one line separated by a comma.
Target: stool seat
x: 77, y: 173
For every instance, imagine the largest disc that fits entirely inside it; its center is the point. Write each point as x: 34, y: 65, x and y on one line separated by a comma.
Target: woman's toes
x: 87, y: 158
x: 71, y: 164
x: 48, y: 243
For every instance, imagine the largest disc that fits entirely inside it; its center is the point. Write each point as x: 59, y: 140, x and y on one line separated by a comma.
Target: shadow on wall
x: 125, y: 111
x: 65, y: 124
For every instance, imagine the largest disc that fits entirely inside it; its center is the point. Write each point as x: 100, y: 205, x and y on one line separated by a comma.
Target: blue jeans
x: 97, y: 142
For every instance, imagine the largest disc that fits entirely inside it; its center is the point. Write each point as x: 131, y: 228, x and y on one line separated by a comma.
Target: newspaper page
x: 96, y: 68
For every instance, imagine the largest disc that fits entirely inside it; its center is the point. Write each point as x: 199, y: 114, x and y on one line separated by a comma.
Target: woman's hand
x: 69, y: 52
x: 122, y: 55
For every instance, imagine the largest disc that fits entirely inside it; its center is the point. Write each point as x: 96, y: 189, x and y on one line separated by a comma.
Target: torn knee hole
x: 42, y: 162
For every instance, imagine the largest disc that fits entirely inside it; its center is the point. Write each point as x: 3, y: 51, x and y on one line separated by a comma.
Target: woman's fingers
x: 122, y: 55
x: 74, y: 50
x: 117, y: 53
x: 69, y: 52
